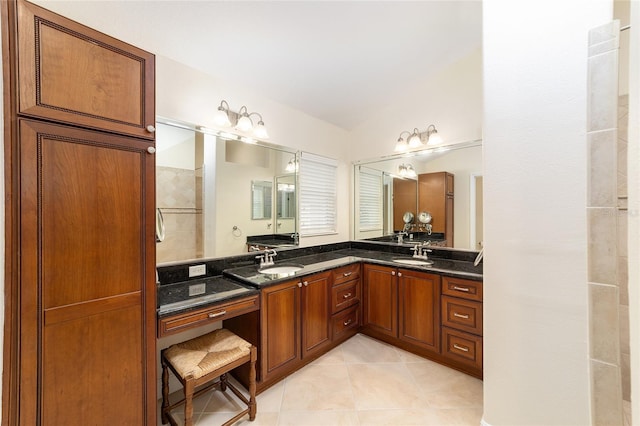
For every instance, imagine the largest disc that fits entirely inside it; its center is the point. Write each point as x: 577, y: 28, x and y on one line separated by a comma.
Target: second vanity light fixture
x: 414, y: 140
x: 406, y: 170
x: 244, y: 123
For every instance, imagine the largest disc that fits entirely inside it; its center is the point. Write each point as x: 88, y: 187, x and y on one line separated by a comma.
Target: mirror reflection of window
x: 285, y: 197
x: 261, y: 200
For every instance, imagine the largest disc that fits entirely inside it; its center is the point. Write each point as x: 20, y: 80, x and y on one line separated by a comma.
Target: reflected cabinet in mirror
x: 217, y: 194
x: 431, y: 195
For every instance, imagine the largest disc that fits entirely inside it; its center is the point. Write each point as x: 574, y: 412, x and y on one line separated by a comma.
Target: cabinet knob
x: 299, y: 284
x: 151, y: 150
x: 399, y: 274
x: 151, y: 129
x: 393, y: 273
x: 306, y: 283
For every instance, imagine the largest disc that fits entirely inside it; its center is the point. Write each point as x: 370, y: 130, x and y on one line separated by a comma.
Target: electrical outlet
x: 196, y: 289
x: 197, y: 270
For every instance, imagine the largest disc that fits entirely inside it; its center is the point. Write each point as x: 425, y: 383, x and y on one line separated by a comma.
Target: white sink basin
x: 415, y: 262
x: 281, y: 270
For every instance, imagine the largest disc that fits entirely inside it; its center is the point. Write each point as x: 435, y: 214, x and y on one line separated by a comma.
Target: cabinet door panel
x: 316, y: 318
x: 419, y: 308
x: 87, y: 250
x: 381, y: 299
x: 77, y: 388
x: 281, y: 328
x: 73, y: 74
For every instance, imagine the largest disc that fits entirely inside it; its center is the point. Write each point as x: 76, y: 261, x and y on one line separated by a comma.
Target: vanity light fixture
x: 292, y: 166
x: 406, y: 170
x: 244, y: 123
x: 414, y: 140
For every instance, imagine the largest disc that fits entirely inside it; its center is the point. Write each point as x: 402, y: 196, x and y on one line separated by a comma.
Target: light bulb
x: 414, y: 140
x: 401, y: 145
x: 221, y: 118
x: 434, y: 138
x: 244, y: 123
x: 260, y: 131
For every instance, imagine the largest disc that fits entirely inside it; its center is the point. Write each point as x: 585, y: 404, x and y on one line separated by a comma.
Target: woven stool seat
x: 198, y: 362
x: 202, y: 355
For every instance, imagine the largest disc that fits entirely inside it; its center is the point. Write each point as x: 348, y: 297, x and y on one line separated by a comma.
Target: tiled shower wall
x: 178, y: 196
x: 607, y: 229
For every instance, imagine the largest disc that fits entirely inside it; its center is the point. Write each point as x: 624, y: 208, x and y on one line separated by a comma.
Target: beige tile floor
x: 361, y: 382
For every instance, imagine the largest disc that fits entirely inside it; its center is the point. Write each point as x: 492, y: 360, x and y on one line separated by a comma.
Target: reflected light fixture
x: 244, y: 123
x: 406, y: 170
x: 292, y: 166
x: 414, y: 139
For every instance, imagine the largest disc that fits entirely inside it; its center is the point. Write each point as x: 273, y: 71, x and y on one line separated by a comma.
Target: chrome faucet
x: 420, y: 251
x: 267, y: 258
x: 401, y: 235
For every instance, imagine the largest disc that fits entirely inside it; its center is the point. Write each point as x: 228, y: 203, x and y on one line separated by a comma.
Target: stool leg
x: 188, y: 404
x: 223, y: 382
x: 252, y: 385
x: 165, y: 390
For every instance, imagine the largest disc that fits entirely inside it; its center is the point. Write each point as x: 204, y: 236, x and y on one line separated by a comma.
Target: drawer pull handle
x: 347, y: 322
x: 455, y: 314
x: 460, y: 348
x: 465, y: 289
x: 217, y: 314
x: 347, y: 274
x: 346, y: 296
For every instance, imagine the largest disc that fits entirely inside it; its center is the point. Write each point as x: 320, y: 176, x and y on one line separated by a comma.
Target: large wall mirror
x: 430, y: 195
x: 220, y: 196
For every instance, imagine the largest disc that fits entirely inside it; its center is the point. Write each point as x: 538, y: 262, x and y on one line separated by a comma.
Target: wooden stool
x: 200, y: 361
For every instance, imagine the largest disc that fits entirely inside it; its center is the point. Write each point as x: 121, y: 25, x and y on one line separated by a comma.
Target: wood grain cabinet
x: 345, y: 302
x: 80, y: 307
x: 462, y: 322
x: 380, y: 286
x: 436, y: 195
x: 295, y: 318
x: 419, y: 309
x: 72, y: 74
x: 402, y: 304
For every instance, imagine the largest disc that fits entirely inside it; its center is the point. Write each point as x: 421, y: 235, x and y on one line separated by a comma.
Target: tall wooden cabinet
x: 80, y: 309
x: 435, y: 195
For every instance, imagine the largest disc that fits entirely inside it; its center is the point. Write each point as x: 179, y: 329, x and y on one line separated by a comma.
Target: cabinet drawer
x: 462, y: 347
x: 459, y: 287
x: 346, y: 273
x: 180, y: 322
x: 465, y: 315
x: 345, y: 295
x: 345, y: 322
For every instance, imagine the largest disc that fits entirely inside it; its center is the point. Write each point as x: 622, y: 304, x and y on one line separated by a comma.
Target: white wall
x: 451, y: 100
x: 634, y: 209
x: 535, y: 294
x: 189, y: 95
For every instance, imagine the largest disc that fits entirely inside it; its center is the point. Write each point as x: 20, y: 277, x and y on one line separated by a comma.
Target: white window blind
x: 318, y: 195
x: 370, y: 200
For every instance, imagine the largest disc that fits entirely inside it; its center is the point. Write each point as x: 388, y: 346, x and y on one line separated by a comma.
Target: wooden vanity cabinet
x: 345, y: 302
x: 81, y: 294
x: 402, y: 304
x: 295, y: 318
x: 462, y: 322
x: 419, y: 309
x: 380, y: 288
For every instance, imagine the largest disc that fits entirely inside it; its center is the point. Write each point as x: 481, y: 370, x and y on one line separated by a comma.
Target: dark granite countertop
x: 174, y: 298
x: 334, y: 259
